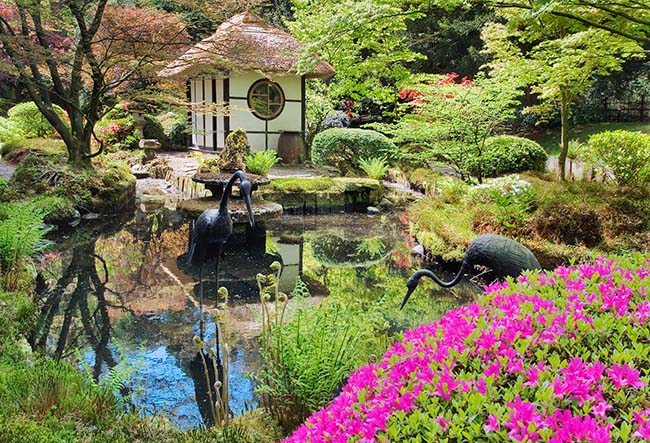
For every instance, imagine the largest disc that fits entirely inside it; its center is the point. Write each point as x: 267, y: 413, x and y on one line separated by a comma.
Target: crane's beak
x: 408, y: 294
x: 247, y: 201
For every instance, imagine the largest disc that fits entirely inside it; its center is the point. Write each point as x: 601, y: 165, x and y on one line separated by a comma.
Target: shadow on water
x: 118, y: 293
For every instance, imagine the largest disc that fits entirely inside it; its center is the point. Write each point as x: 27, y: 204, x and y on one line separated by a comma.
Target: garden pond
x: 118, y: 297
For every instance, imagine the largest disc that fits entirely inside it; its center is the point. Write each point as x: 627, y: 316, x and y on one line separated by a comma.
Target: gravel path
x: 6, y: 169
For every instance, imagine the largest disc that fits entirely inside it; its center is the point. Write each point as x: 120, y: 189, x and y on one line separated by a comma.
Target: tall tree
x: 78, y: 53
x: 558, y: 56
x: 364, y: 40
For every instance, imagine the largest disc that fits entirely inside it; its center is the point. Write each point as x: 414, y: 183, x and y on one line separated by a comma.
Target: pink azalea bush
x: 557, y: 357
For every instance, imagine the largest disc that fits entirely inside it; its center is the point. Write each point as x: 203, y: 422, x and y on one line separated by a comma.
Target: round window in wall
x: 266, y: 99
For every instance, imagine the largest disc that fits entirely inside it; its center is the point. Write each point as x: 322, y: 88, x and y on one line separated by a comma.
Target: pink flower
x: 623, y: 375
x: 492, y: 423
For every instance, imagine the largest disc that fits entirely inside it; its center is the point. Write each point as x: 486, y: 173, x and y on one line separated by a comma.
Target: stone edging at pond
x: 324, y: 195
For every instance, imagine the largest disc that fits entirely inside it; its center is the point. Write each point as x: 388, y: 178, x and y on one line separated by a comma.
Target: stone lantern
x: 137, y: 112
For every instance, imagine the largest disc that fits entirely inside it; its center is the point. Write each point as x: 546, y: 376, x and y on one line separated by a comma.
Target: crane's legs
x: 201, y: 326
x: 216, y: 273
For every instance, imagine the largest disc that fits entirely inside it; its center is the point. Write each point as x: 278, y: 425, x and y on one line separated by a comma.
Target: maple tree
x: 79, y: 54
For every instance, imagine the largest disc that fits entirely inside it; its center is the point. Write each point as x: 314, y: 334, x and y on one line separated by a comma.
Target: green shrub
x: 260, y: 162
x: 307, y: 351
x: 16, y: 317
x: 27, y: 117
x: 551, y: 357
x: 9, y: 132
x: 624, y: 154
x: 153, y: 129
x: 505, y: 154
x: 375, y: 168
x: 343, y: 148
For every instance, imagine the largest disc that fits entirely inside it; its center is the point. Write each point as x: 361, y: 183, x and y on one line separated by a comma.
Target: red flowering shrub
x: 557, y: 357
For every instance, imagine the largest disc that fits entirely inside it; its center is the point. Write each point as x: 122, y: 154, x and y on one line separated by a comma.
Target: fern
x: 300, y: 289
x: 261, y: 162
x: 374, y: 167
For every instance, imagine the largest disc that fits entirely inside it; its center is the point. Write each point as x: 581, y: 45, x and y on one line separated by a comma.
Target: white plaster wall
x: 241, y: 117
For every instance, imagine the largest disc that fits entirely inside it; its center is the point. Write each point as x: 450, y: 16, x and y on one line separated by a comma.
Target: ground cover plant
x: 558, y: 221
x: 556, y: 357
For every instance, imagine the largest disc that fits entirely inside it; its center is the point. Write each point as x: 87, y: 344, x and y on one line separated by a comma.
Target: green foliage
x: 319, y: 105
x: 513, y: 198
x: 507, y: 154
x: 16, y: 319
x: 29, y: 119
x: 9, y: 131
x: 375, y: 168
x: 154, y: 129
x: 450, y: 122
x: 362, y: 40
x: 343, y: 148
x: 555, y: 56
x: 623, y: 154
x: 108, y: 188
x: 261, y: 162
x: 307, y: 351
x: 21, y: 235
x: 176, y: 128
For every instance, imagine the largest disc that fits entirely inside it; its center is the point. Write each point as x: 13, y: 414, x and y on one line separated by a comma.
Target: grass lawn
x: 550, y: 140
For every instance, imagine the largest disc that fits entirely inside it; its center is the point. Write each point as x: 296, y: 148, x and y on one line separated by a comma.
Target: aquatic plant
x: 556, y: 357
x: 307, y: 351
x: 213, y: 354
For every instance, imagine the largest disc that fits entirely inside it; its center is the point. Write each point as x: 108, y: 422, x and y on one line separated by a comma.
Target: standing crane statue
x: 214, y: 226
x: 506, y: 257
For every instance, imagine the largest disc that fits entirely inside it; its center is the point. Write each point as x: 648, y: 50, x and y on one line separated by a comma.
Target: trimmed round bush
x: 625, y: 154
x: 557, y: 357
x: 9, y: 132
x: 343, y: 148
x: 506, y: 154
x: 28, y: 119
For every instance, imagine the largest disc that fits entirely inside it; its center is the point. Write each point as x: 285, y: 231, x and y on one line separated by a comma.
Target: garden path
x: 6, y: 169
x: 184, y: 165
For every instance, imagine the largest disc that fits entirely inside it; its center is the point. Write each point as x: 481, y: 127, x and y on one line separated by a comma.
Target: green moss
x: 294, y: 184
x: 564, y: 217
x: 108, y: 187
x: 10, y: 150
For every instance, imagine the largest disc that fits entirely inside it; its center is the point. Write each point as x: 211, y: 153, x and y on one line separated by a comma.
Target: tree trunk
x: 564, y: 141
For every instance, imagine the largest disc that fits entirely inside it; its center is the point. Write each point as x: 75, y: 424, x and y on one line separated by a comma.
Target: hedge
x: 342, y: 148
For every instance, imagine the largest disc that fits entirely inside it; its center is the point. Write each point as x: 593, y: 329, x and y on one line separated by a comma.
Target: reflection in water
x: 120, y: 291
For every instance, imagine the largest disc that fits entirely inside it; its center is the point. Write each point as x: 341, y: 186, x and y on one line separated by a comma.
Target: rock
x: 90, y: 216
x: 418, y: 250
x: 373, y: 210
x: 386, y: 205
x: 236, y: 147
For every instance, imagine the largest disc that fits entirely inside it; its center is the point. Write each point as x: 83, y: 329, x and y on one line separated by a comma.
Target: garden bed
x: 530, y: 361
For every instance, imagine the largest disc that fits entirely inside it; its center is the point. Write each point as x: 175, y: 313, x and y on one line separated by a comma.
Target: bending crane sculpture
x: 504, y: 256
x: 213, y: 228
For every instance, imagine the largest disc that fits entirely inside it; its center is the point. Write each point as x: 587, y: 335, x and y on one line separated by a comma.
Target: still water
x: 118, y: 294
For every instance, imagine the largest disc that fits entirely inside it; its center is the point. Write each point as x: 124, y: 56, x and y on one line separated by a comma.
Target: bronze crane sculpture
x: 506, y: 257
x: 214, y: 226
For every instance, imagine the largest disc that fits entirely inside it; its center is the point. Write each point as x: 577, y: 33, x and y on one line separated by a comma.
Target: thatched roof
x: 243, y: 43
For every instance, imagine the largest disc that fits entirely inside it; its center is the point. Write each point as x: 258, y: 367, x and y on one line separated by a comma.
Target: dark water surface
x: 118, y: 294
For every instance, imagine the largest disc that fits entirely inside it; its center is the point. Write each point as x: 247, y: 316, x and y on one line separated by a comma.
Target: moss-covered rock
x: 106, y: 188
x: 324, y: 195
x: 235, y: 149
